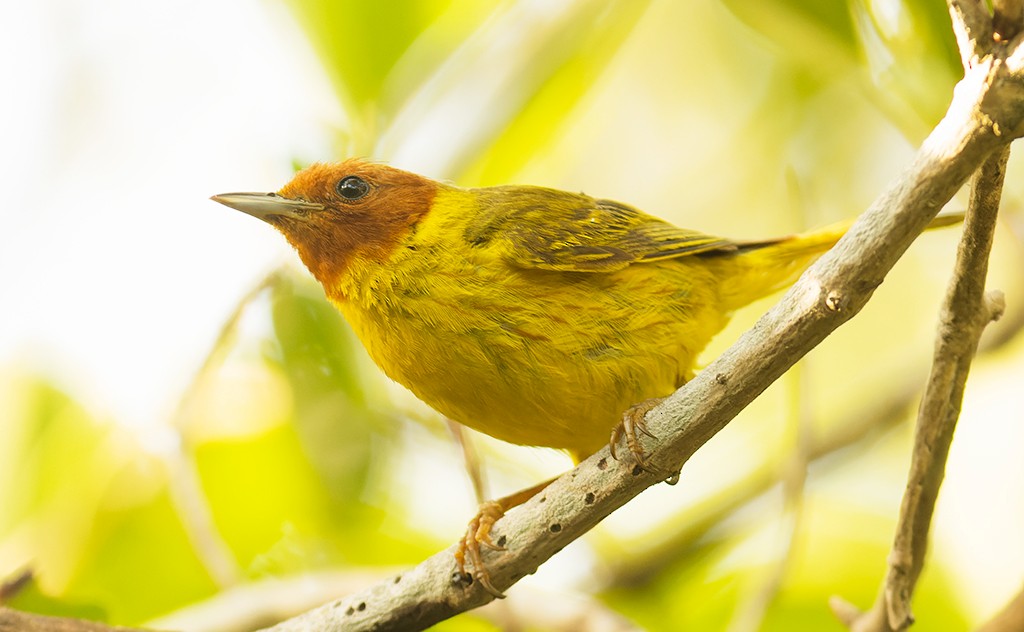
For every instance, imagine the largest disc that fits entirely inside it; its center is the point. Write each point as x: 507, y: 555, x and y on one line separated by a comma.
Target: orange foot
x: 478, y: 534
x: 633, y: 423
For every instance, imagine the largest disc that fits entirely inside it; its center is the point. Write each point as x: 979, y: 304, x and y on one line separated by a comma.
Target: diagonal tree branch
x: 986, y: 113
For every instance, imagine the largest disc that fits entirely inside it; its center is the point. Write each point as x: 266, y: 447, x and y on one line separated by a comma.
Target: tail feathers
x: 765, y: 267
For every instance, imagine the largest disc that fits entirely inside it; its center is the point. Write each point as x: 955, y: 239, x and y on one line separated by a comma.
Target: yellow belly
x: 536, y: 357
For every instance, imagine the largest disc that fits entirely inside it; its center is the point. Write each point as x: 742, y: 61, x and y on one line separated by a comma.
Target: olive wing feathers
x: 547, y: 229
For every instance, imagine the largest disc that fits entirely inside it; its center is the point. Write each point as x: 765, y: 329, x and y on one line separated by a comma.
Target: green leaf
x: 296, y: 475
x: 562, y: 79
x: 141, y: 542
x: 921, y: 63
x: 90, y: 514
x: 819, y: 34
x: 516, y: 78
x: 839, y: 550
x: 361, y: 42
x: 341, y: 414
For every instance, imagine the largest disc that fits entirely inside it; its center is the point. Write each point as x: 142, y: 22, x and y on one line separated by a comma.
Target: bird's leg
x: 478, y: 534
x: 633, y: 423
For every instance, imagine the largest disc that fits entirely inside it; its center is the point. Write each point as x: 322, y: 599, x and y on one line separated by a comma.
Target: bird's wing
x: 546, y: 229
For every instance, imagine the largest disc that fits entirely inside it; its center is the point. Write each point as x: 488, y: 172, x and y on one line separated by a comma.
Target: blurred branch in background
x: 11, y: 586
x: 16, y: 621
x: 264, y: 602
x: 753, y: 610
x: 184, y: 479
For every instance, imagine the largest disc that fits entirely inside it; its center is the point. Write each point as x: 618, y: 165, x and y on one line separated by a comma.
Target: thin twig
x: 1007, y: 18
x: 751, y: 613
x: 966, y: 311
x: 972, y: 26
x: 185, y: 486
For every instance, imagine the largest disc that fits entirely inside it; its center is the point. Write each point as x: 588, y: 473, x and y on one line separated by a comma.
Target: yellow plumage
x: 534, y: 315
x: 502, y: 311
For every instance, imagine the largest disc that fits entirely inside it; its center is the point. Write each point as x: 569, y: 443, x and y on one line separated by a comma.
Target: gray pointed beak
x: 267, y: 206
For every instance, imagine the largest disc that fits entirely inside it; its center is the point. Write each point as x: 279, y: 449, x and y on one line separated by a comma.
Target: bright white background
x: 120, y: 119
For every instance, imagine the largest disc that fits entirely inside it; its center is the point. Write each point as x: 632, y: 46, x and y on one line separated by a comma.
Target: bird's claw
x: 632, y: 425
x: 478, y: 534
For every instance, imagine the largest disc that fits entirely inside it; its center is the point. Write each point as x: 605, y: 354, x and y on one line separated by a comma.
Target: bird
x: 538, y: 316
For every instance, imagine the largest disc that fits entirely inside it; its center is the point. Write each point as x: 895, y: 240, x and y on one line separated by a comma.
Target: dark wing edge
x: 555, y: 230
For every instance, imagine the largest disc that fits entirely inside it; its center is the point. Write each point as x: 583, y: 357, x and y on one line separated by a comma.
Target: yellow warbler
x: 534, y: 315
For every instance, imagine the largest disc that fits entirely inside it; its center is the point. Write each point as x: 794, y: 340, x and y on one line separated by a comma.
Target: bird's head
x: 335, y: 214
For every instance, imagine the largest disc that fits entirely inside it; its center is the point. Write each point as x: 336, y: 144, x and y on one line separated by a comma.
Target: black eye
x: 352, y: 188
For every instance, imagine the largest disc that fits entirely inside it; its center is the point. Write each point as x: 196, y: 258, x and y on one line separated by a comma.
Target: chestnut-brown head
x: 333, y: 213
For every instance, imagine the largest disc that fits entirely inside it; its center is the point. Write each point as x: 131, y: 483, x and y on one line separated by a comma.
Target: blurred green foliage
x: 300, y: 451
x: 362, y: 45
x: 704, y: 587
x: 94, y: 512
